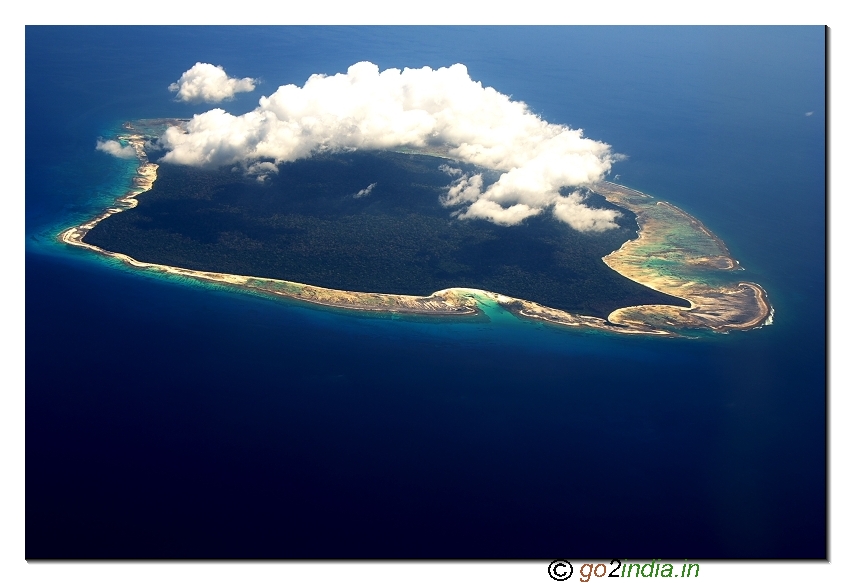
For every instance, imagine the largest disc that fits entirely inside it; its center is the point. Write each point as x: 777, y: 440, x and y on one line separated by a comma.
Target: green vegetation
x: 305, y: 224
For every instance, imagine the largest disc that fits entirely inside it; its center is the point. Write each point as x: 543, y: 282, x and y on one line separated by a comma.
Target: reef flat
x: 675, y: 253
x: 674, y: 256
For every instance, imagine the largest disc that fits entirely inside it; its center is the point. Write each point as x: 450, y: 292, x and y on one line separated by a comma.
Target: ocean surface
x: 168, y: 418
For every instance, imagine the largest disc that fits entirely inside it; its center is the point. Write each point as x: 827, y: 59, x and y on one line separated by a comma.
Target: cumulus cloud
x: 492, y: 211
x: 115, y: 148
x: 366, y: 191
x: 450, y: 170
x: 205, y: 82
x: 366, y: 108
x: 262, y: 170
x: 571, y: 210
x: 466, y: 189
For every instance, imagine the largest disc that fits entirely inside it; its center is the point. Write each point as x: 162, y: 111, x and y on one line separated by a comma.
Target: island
x: 365, y: 231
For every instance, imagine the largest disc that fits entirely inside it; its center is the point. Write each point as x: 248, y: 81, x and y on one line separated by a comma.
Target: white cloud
x: 115, y: 148
x: 370, y: 109
x: 262, y: 170
x: 493, y: 211
x: 449, y: 170
x: 571, y: 210
x: 466, y: 189
x: 205, y: 82
x: 366, y: 191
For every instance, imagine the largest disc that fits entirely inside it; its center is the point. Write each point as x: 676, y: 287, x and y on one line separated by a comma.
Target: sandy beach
x: 666, y: 233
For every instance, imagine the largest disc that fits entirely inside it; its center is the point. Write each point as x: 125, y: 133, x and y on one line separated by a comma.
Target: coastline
x: 740, y: 306
x: 678, y: 255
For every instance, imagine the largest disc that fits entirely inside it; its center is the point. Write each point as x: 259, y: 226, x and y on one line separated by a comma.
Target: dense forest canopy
x: 369, y: 221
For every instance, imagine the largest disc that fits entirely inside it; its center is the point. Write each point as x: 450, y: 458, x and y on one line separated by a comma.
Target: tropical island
x: 365, y: 230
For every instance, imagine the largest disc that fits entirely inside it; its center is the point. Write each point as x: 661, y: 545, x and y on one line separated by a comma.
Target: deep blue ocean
x: 165, y: 418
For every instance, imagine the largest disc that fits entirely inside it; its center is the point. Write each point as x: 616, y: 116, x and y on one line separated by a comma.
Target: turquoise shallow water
x: 172, y: 418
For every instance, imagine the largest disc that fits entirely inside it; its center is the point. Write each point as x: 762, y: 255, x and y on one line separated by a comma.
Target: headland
x: 675, y: 254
